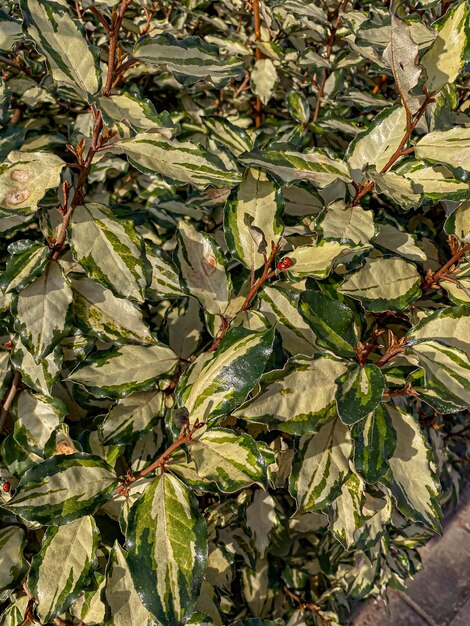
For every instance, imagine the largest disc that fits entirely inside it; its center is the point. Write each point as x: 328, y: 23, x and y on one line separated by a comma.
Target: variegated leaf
x: 167, y: 566
x: 318, y: 261
x: 252, y: 219
x: 138, y: 114
x: 359, y: 392
x: 36, y: 418
x: 262, y: 519
x: 38, y: 376
x: 280, y: 306
x: 374, y: 443
x: 63, y: 488
x: 202, y: 267
x: 165, y: 282
x: 72, y: 61
x: 132, y: 416
x: 458, y: 222
x: 229, y: 135
x: 333, y: 322
x: 123, y: 601
x: 28, y: 260
x: 98, y: 312
x: 12, y: 543
x: 346, y: 224
x: 109, y: 250
x: 118, y: 372
x: 446, y: 146
x: 218, y: 382
x: 346, y: 511
x: 315, y: 166
x: 449, y: 326
x: 24, y: 179
x: 321, y: 466
x: 298, y: 398
x: 450, y: 50
x: 378, y: 143
x: 184, y: 162
x: 231, y: 461
x: 413, y: 481
x: 60, y: 570
x: 42, y: 311
x: 189, y: 59
x: 384, y: 284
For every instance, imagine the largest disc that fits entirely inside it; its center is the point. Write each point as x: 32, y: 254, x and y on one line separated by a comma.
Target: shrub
x: 234, y: 305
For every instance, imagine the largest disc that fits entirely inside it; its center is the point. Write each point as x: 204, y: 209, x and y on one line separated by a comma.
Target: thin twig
x: 432, y: 278
x: 336, y: 21
x: 116, y: 24
x: 9, y: 399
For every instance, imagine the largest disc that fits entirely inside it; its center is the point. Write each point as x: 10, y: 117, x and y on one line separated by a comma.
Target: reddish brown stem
x: 336, y: 21
x: 432, y: 278
x: 395, y: 347
x: 185, y: 437
x: 407, y: 390
x: 100, y: 18
x: 367, y: 187
x: 113, y: 41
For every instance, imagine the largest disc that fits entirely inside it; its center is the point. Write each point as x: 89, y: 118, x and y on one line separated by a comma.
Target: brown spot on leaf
x: 17, y: 197
x: 21, y: 175
x: 209, y: 263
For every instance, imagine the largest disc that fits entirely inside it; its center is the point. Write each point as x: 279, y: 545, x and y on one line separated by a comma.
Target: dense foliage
x: 234, y: 303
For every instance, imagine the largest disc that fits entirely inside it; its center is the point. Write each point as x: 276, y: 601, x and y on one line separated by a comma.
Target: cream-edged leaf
x: 63, y: 488
x: 42, y: 311
x: 202, y: 267
x: 346, y: 511
x: 321, y: 466
x: 231, y: 461
x: 109, y: 250
x: 59, y: 571
x: 12, y: 543
x: 413, y: 481
x: 252, y: 219
x: 318, y: 261
x: 167, y: 543
x: 458, y: 222
x: 28, y: 259
x: 38, y: 376
x: 36, y: 418
x: 24, y: 179
x: 120, y: 371
x: 374, y: 443
x: 346, y: 224
x: 446, y: 146
x: 384, y: 284
x: 298, y: 398
x: 72, y: 61
x: 189, y: 59
x: 184, y: 162
x: 218, y: 382
x: 359, y: 392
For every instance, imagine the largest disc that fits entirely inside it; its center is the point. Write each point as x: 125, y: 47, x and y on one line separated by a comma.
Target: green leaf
x: 346, y: 224
x: 287, y: 166
x: 189, y: 59
x: 399, y: 242
x: 12, y: 544
x: 24, y: 179
x: 109, y: 250
x: 437, y: 183
x: 333, y: 322
x: 184, y: 162
x: 42, y: 311
x: 120, y: 371
x: 384, y: 284
x: 321, y: 466
x: 229, y: 135
x: 62, y: 489
x: 252, y: 219
x: 60, y: 570
x: 218, y: 382
x: 450, y: 50
x: 280, y: 307
x: 39, y: 376
x: 72, y: 61
x: 359, y: 392
x: 28, y: 260
x: 202, y: 267
x: 346, y: 511
x: 446, y: 146
x: 99, y: 313
x: 298, y: 398
x: 318, y: 261
x: 374, y: 443
x: 123, y: 601
x: 450, y: 326
x: 298, y: 106
x: 231, y: 461
x: 131, y: 417
x: 399, y: 188
x: 36, y: 418
x: 378, y: 143
x: 167, y: 542
x: 412, y: 480
x: 402, y: 55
